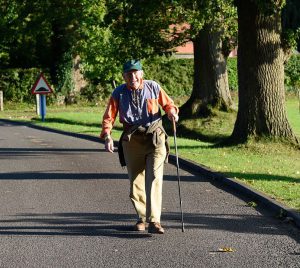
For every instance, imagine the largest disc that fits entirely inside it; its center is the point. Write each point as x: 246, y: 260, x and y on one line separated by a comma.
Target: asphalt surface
x: 64, y: 203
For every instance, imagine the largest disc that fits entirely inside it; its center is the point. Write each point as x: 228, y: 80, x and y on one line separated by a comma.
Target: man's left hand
x: 173, y: 116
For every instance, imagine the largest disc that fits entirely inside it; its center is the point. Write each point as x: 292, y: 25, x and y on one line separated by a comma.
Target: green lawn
x: 273, y: 168
x: 293, y: 113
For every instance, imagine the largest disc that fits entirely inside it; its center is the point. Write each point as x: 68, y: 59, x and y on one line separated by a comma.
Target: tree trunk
x: 78, y: 78
x: 210, y: 88
x: 261, y: 110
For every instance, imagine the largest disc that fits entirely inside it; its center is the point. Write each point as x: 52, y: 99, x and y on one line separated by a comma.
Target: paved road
x: 64, y: 203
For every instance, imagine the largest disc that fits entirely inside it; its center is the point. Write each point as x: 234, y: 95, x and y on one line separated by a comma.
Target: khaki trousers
x: 145, y: 165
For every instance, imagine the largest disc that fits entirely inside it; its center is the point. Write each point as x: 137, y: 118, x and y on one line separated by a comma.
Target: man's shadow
x: 72, y: 224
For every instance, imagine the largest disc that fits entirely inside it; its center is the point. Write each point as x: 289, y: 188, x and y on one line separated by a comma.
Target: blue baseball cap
x: 132, y: 65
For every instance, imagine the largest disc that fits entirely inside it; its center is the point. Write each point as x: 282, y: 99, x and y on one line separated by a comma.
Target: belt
x: 134, y: 128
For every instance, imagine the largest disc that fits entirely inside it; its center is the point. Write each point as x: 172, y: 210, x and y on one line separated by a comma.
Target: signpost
x: 42, y: 88
x: 1, y: 100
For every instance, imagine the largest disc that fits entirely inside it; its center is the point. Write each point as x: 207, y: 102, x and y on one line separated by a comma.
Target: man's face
x: 133, y: 79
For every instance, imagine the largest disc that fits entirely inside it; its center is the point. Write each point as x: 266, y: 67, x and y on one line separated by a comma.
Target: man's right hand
x: 109, y: 145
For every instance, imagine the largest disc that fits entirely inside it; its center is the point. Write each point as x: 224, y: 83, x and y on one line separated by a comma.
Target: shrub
x: 96, y: 92
x: 232, y: 74
x: 16, y: 84
x: 292, y: 74
x: 174, y: 75
x: 65, y: 82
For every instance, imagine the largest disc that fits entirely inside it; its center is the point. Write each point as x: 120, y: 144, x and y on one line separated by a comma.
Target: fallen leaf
x: 225, y: 249
x: 252, y: 204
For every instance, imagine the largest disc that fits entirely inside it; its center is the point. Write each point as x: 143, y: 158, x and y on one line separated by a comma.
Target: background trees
x: 213, y: 29
x: 157, y: 27
x: 50, y: 34
x: 101, y: 35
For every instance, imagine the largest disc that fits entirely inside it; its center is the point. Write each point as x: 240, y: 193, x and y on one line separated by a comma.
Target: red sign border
x: 41, y: 76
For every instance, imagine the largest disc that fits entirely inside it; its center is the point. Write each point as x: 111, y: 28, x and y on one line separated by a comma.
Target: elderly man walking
x: 143, y: 146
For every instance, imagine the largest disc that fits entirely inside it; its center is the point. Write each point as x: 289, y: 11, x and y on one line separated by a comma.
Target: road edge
x: 281, y: 211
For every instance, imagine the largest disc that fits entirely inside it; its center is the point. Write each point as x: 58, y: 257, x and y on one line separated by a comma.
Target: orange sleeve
x: 109, y: 117
x: 166, y: 102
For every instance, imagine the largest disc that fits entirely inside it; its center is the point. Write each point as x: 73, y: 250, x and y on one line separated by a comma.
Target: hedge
x: 292, y: 74
x: 16, y: 84
x: 174, y: 75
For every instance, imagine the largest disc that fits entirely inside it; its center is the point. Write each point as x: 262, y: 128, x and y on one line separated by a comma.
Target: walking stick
x: 178, y: 177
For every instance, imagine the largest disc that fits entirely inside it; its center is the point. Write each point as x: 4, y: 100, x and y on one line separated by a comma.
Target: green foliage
x: 232, y: 74
x: 292, y: 74
x: 220, y: 14
x: 174, y: 75
x: 16, y: 84
x: 48, y: 34
x: 96, y: 93
x: 25, y: 34
x: 96, y: 43
x: 142, y: 28
x: 41, y: 33
x: 65, y: 78
x: 289, y: 39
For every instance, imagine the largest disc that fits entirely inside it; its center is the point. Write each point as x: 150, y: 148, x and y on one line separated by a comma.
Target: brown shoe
x: 140, y: 226
x: 155, y: 228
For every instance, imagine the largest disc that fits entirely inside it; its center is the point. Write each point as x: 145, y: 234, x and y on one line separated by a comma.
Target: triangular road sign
x: 41, y: 86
